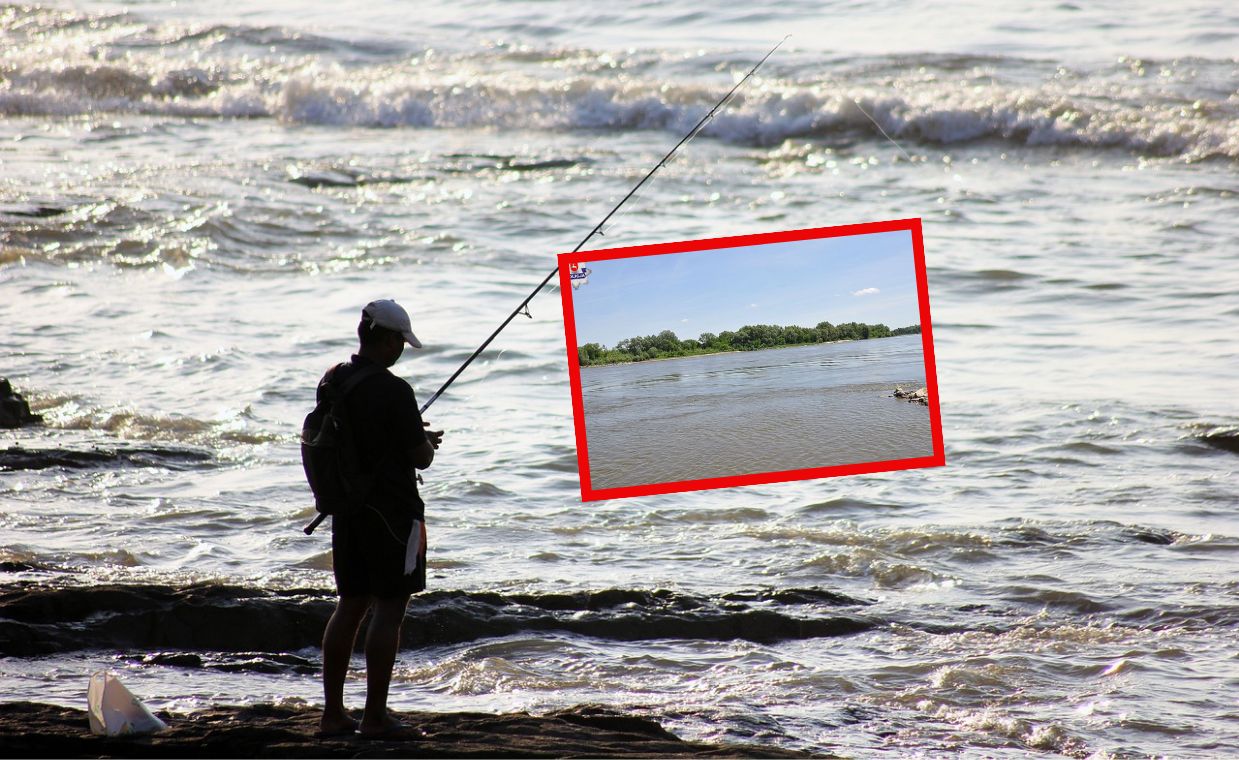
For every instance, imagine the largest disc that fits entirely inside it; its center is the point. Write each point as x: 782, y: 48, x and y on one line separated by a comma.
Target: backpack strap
x: 339, y: 390
x: 357, y: 378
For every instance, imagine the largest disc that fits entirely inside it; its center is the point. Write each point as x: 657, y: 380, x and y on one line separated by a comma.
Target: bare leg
x: 338, y: 641
x: 382, y: 642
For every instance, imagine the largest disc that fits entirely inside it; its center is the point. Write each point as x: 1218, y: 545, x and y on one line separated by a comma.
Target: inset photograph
x: 751, y: 359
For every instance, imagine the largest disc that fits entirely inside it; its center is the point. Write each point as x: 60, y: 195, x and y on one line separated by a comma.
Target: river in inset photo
x: 751, y: 412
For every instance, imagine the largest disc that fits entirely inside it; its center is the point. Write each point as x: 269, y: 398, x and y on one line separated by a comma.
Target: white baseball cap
x: 389, y: 314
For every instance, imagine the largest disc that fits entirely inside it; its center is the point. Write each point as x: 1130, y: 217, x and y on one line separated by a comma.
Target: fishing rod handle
x: 317, y: 521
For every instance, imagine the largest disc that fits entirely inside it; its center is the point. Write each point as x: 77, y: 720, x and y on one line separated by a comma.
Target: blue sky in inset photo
x: 859, y: 278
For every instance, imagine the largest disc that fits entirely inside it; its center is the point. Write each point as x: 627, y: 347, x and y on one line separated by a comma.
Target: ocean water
x: 759, y: 412
x: 196, y: 202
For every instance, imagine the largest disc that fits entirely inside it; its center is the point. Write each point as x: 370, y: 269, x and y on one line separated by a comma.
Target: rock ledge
x: 28, y: 729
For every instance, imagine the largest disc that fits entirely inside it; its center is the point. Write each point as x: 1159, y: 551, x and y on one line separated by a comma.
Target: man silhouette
x: 379, y: 545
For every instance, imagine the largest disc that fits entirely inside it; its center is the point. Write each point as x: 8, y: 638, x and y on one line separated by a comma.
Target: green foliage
x: 667, y: 345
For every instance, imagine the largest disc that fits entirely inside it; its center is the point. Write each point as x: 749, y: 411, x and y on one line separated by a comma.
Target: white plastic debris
x: 114, y: 711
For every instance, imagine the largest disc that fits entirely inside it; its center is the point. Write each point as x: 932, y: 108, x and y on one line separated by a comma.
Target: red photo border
x: 937, y: 459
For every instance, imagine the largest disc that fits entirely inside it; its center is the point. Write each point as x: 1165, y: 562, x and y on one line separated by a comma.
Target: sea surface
x: 196, y: 199
x: 754, y: 412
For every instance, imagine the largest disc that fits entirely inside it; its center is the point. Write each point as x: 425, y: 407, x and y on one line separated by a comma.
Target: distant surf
x: 251, y: 72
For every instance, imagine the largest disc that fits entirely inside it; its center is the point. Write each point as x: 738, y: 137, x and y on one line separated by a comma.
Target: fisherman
x: 378, y: 549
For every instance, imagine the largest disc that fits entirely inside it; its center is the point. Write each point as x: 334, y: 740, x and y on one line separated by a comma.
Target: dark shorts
x: 368, y: 559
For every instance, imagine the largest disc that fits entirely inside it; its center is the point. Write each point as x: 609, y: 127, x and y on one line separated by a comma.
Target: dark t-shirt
x: 387, y: 426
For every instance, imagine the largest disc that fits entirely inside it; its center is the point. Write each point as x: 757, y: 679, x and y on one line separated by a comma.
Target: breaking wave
x: 268, y: 73
x: 67, y: 413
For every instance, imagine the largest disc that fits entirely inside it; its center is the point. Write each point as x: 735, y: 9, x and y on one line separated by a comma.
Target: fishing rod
x: 524, y: 305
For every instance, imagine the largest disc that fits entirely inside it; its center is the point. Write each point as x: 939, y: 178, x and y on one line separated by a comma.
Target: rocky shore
x: 28, y: 729
x: 14, y: 411
x: 918, y: 396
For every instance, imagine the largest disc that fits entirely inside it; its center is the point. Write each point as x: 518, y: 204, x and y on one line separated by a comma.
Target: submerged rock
x: 918, y: 396
x: 14, y: 411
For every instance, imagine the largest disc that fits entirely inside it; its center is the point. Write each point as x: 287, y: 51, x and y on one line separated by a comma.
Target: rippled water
x: 194, y: 205
x: 745, y: 413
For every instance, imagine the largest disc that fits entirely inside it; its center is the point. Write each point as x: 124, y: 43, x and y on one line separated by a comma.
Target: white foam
x: 65, y: 66
x: 382, y: 98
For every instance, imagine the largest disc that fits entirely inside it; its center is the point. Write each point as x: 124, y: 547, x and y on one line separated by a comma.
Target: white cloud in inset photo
x: 866, y: 292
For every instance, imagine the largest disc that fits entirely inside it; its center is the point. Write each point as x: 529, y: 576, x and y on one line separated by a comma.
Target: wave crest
x: 64, y: 64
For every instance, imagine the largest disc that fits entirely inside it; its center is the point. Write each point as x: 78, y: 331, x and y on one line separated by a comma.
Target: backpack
x: 328, y: 453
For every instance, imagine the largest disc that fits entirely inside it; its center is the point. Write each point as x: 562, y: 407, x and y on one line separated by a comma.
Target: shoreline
x: 733, y: 351
x: 31, y: 729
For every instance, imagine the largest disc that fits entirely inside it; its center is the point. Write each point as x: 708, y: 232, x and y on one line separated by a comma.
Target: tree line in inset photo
x: 666, y: 345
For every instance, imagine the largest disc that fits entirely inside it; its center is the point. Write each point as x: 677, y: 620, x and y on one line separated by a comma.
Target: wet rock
x: 918, y: 396
x: 1224, y: 439
x: 14, y: 411
x: 29, y: 729
x: 32, y: 210
x: 18, y: 566
x: 122, y: 454
x: 36, y: 619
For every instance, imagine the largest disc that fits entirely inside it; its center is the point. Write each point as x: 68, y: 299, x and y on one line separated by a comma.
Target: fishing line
x: 856, y: 103
x: 523, y: 307
x: 890, y: 139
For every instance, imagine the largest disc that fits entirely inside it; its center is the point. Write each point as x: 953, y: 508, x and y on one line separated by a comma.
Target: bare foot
x: 389, y: 728
x: 339, y: 724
